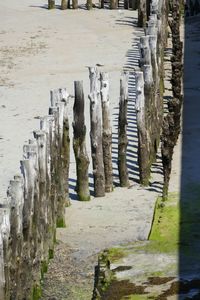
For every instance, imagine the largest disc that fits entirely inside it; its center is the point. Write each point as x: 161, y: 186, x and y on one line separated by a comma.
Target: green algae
x: 60, y: 223
x: 164, y: 235
x: 37, y: 292
x: 115, y: 254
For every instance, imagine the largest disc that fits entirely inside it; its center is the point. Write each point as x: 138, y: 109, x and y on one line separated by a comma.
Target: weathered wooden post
x: 42, y: 209
x: 74, y: 4
x: 15, y: 195
x: 143, y: 151
x: 126, y: 4
x: 113, y: 4
x: 145, y: 54
x: 89, y: 4
x: 134, y: 4
x: 79, y: 144
x: 107, y: 132
x: 122, y: 131
x: 96, y: 133
x: 32, y: 233
x: 142, y: 15
x: 5, y: 282
x: 2, y: 262
x: 59, y: 99
x: 102, y: 3
x: 51, y: 4
x: 64, y: 4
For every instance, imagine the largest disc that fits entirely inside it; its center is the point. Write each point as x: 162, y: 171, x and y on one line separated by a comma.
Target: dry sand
x: 42, y: 50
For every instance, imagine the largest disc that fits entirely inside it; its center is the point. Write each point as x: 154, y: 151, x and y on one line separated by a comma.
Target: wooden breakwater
x: 38, y: 196
x: 111, y: 4
x: 35, y: 205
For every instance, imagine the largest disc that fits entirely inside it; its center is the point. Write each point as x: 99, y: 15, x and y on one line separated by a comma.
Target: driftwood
x: 79, y: 144
x: 107, y: 132
x: 96, y: 134
x: 122, y: 131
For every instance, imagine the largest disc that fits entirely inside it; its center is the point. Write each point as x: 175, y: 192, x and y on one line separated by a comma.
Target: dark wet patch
x: 159, y: 280
x: 181, y: 287
x: 119, y: 289
x: 121, y: 269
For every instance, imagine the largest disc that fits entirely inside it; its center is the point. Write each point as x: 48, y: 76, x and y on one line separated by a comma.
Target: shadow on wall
x: 189, y: 247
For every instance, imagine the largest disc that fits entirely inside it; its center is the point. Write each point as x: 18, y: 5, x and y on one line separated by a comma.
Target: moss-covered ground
x: 153, y: 269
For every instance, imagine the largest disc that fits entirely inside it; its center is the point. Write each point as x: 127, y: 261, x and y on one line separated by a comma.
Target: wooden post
x: 134, y: 4
x: 102, y: 3
x: 15, y: 195
x: 57, y: 172
x: 51, y: 4
x: 2, y: 263
x: 65, y: 153
x: 5, y: 282
x: 64, y: 4
x: 122, y: 131
x: 145, y: 54
x: 79, y: 144
x: 126, y: 4
x: 96, y: 134
x: 32, y: 234
x: 107, y: 132
x: 113, y: 4
x: 42, y: 210
x: 74, y: 4
x: 142, y: 15
x: 143, y: 150
x: 59, y: 99
x: 89, y: 4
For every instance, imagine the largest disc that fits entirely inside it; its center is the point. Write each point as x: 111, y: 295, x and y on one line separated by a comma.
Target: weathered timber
x: 143, y: 150
x: 74, y: 4
x: 51, y: 4
x: 16, y: 200
x: 89, y: 4
x: 96, y: 133
x: 113, y: 4
x: 126, y: 4
x: 5, y: 251
x: 64, y: 4
x: 107, y: 132
x: 142, y: 13
x: 172, y: 122
x: 58, y: 108
x: 167, y: 148
x: 122, y: 131
x: 31, y: 226
x: 79, y: 144
x: 145, y: 52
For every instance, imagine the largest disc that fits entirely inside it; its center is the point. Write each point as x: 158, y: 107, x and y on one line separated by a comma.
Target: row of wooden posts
x: 35, y: 205
x: 149, y: 87
x: 172, y: 121
x: 37, y: 198
x: 113, y: 4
